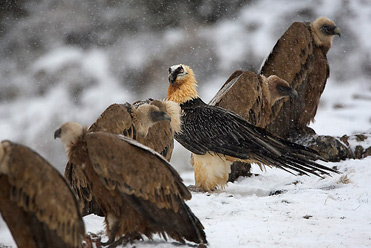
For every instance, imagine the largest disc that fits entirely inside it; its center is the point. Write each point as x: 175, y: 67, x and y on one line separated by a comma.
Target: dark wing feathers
x: 209, y: 128
x: 78, y: 182
x: 43, y: 193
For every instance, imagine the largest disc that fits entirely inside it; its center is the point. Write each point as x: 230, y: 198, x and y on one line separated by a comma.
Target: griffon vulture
x: 252, y: 96
x: 36, y: 202
x: 299, y: 57
x: 217, y: 137
x: 127, y: 119
x: 135, y: 187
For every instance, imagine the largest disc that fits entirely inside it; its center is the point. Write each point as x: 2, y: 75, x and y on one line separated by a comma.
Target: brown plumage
x: 299, y: 57
x: 252, y: 96
x: 135, y: 187
x: 37, y: 204
x: 127, y: 119
x: 217, y: 137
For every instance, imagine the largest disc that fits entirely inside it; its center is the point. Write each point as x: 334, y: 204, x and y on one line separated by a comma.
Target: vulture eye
x: 328, y: 29
x: 181, y: 70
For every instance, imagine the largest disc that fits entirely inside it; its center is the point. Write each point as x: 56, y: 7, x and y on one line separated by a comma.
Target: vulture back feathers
x: 136, y: 188
x: 37, y: 204
x: 126, y: 119
x: 252, y: 96
x: 299, y: 57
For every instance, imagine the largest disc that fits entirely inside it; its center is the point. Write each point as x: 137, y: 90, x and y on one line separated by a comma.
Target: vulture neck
x: 182, y: 90
x: 77, y: 149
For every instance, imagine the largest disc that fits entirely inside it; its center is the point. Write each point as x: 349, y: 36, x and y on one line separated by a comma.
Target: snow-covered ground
x: 310, y: 212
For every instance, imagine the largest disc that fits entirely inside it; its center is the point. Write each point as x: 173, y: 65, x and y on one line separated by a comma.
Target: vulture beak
x: 293, y: 93
x: 57, y: 133
x: 337, y: 31
x: 173, y: 74
x: 287, y: 91
x: 160, y: 116
x: 331, y: 30
x: 172, y: 77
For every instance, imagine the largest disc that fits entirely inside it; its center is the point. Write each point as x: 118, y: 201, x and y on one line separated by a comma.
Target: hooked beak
x: 57, y: 133
x: 172, y: 77
x: 287, y: 91
x: 160, y: 116
x: 337, y: 31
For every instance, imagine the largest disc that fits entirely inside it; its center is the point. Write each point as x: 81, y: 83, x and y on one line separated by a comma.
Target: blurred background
x: 67, y: 60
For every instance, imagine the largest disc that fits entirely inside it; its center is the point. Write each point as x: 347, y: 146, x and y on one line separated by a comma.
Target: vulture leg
x: 112, y: 236
x: 124, y: 240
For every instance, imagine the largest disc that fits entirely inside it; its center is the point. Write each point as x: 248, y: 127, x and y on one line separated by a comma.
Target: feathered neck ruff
x: 183, y: 89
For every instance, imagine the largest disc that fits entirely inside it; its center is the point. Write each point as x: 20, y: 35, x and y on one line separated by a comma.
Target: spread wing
x: 208, y: 128
x: 44, y: 195
x: 242, y: 94
x: 131, y: 168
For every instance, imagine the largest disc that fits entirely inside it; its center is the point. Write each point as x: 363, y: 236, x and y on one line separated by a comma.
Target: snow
x: 310, y: 212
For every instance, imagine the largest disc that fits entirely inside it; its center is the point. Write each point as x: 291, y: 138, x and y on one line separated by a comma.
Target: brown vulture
x: 299, y: 57
x: 217, y: 137
x: 252, y: 96
x: 36, y: 202
x: 136, y: 188
x: 127, y: 119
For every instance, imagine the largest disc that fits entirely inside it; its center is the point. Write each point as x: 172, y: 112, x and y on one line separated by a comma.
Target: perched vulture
x: 36, y: 202
x: 127, y: 119
x: 217, y: 137
x: 299, y: 57
x: 137, y: 190
x: 252, y: 96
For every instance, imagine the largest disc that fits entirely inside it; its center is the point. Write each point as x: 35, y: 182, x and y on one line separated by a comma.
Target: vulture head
x: 69, y: 133
x: 146, y: 115
x: 182, y: 84
x: 324, y: 31
x: 277, y: 88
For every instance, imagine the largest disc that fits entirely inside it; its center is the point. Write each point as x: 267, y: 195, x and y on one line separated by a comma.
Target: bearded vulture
x: 217, y: 137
